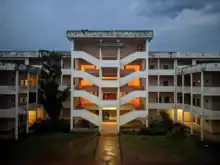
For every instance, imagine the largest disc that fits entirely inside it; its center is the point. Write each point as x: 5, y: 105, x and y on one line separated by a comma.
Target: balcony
x: 161, y: 106
x: 161, y: 88
x: 212, y: 91
x: 163, y: 72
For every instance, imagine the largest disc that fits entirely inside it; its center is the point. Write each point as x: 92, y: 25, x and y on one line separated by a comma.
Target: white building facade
x: 113, y: 74
x: 19, y: 107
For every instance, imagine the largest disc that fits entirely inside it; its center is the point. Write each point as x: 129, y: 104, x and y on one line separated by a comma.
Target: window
x: 151, y: 67
x: 194, y: 84
x: 22, y: 83
x: 194, y: 118
x: 194, y: 101
x: 167, y: 99
x: 165, y: 83
x: 165, y: 67
x: 160, y: 99
x: 23, y: 99
x: 179, y: 99
x: 198, y: 102
x: 26, y: 82
x: 139, y: 47
x: 21, y: 119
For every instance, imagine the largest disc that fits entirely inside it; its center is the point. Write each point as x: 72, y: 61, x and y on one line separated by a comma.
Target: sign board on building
x: 103, y: 34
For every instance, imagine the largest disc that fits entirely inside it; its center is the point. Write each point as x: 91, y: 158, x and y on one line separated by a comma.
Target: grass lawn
x: 66, y: 148
x: 158, y: 149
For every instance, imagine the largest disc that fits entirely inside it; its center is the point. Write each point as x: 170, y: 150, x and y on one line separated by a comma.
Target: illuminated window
x: 21, y: 100
x: 22, y: 82
x: 26, y: 82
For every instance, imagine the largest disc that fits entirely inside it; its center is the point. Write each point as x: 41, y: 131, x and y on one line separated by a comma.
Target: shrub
x: 168, y: 123
x: 178, y: 132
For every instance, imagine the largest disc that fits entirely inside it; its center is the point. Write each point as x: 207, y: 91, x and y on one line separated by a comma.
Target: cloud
x: 178, y: 25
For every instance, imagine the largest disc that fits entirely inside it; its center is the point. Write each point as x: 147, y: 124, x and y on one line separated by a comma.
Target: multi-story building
x: 113, y: 72
x: 19, y: 107
x: 113, y: 76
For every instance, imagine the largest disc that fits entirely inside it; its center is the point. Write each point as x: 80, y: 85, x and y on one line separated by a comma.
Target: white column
x: 175, y: 92
x: 118, y: 89
x: 61, y: 76
x: 191, y: 103
x: 158, y: 63
x: 202, y: 107
x: 16, y: 102
x: 158, y: 82
x: 77, y: 67
x: 193, y: 62
x: 158, y: 93
x: 72, y: 87
x: 100, y: 89
x: 27, y: 104
x: 61, y: 79
x: 36, y: 106
x: 146, y: 84
x: 183, y: 98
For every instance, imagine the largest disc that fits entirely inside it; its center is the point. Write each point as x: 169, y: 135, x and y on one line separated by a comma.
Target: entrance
x: 109, y: 122
x: 109, y: 116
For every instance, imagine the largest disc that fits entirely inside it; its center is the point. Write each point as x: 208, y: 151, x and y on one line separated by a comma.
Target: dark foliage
x: 51, y: 96
x: 47, y: 126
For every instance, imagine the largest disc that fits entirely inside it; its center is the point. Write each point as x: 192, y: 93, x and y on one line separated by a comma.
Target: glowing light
x: 109, y: 108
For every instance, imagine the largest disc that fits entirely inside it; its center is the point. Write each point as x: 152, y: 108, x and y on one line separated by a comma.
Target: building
x: 19, y: 107
x: 113, y: 72
x: 114, y: 76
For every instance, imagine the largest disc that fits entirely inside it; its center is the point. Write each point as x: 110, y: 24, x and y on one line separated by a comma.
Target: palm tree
x: 51, y: 94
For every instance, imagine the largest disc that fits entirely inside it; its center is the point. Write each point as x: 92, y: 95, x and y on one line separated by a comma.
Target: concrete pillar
x: 193, y: 62
x: 175, y: 92
x: 72, y: 86
x: 183, y: 98
x: 16, y: 102
x: 100, y: 89
x: 27, y: 104
x: 118, y: 90
x: 36, y: 106
x: 146, y: 84
x: 202, y: 107
x: 158, y: 63
x: 191, y: 103
x: 61, y: 76
x: 158, y: 93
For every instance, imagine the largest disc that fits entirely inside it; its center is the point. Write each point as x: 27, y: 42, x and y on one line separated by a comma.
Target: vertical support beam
x: 146, y: 83
x: 36, y: 106
x: 158, y: 63
x: 100, y: 89
x: 61, y: 79
x: 158, y: 83
x: 27, y: 104
x: 175, y: 92
x: 191, y: 103
x: 61, y: 76
x: 16, y: 101
x: 183, y: 81
x: 118, y: 89
x: 202, y: 107
x: 158, y: 93
x: 193, y: 62
x: 72, y: 87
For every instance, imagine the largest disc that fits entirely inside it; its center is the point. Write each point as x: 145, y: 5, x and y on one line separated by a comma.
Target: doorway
x: 109, y: 122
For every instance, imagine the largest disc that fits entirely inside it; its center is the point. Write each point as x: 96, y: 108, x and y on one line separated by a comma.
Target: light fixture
x: 109, y: 108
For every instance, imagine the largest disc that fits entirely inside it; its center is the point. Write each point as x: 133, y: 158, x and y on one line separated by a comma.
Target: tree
x: 51, y: 94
